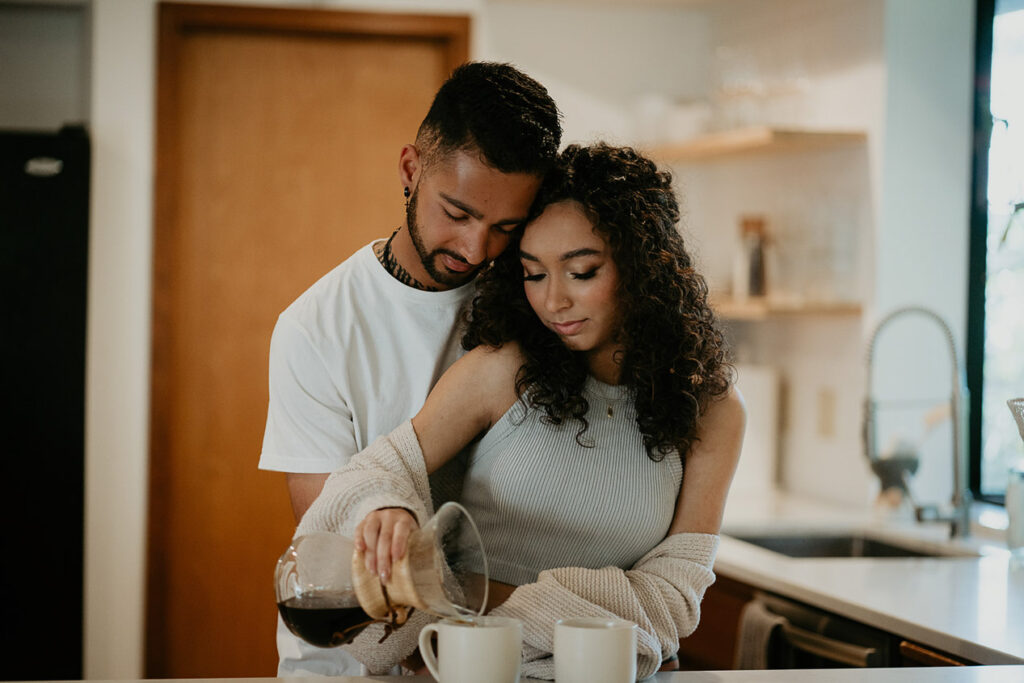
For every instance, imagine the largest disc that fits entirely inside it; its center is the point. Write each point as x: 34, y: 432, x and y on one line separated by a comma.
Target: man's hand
x: 383, y: 537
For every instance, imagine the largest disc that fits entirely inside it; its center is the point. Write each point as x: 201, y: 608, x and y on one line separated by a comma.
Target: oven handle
x: 829, y: 648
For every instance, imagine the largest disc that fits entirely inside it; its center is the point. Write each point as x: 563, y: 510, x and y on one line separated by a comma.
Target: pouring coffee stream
x: 327, y: 597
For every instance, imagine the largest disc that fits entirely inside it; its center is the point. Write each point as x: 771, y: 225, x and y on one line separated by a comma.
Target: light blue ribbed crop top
x: 541, y: 501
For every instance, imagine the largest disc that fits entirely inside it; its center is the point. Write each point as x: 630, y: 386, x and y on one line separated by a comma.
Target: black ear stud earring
x: 406, y: 192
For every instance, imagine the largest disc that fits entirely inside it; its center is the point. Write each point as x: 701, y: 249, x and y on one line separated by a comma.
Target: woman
x: 593, y: 363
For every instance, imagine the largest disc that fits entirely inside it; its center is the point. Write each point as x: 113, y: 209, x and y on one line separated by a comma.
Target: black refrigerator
x: 44, y: 210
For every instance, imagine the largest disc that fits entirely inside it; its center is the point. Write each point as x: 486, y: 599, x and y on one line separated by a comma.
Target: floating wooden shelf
x: 755, y: 140
x: 759, y: 308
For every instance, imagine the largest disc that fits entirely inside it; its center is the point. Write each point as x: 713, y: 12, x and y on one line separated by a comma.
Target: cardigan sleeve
x: 661, y: 594
x: 390, y: 472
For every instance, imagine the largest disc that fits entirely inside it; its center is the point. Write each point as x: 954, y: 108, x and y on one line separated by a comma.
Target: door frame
x: 175, y: 21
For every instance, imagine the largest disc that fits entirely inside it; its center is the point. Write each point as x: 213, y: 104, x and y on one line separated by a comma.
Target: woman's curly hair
x: 675, y: 359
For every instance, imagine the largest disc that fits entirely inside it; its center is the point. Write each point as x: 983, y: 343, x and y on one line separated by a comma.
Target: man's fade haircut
x: 498, y: 111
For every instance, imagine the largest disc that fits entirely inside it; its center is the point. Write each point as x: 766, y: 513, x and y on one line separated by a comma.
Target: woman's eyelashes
x: 585, y: 275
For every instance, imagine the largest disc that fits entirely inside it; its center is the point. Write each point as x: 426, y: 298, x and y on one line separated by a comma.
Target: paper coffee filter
x: 443, y: 572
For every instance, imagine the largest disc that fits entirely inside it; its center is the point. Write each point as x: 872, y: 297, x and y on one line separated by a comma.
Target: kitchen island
x: 968, y: 601
x: 973, y: 674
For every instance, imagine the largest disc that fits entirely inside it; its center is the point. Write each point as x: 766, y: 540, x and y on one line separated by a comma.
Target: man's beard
x: 429, y: 258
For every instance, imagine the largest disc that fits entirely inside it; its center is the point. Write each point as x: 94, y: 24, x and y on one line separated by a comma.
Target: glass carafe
x: 327, y: 597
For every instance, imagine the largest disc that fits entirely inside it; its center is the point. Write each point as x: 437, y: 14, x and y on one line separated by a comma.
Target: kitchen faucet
x: 960, y: 516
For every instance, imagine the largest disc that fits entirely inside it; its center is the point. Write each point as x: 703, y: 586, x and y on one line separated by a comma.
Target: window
x: 995, y: 340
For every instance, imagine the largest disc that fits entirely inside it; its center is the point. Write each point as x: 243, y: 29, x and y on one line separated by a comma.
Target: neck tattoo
x: 387, y: 259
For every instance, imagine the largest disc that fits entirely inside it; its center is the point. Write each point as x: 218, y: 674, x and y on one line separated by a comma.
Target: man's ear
x: 410, y: 166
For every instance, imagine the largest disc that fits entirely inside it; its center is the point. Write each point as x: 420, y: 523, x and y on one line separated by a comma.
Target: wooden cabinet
x: 914, y: 654
x: 713, y: 645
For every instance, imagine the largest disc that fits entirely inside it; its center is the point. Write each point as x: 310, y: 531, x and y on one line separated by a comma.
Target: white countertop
x: 959, y: 674
x: 930, y: 675
x: 972, y: 607
x: 953, y: 674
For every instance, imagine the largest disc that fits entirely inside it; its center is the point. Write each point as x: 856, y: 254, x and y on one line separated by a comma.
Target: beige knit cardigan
x: 661, y: 593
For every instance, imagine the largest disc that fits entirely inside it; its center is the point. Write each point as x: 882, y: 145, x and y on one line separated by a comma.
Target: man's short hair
x: 498, y: 111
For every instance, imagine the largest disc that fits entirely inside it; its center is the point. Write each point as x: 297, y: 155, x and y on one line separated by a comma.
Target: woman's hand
x: 383, y: 538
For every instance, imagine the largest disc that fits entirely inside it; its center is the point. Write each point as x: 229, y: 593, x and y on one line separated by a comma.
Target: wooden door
x: 278, y: 134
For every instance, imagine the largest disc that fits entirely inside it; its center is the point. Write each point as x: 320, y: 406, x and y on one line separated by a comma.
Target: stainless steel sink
x: 842, y: 545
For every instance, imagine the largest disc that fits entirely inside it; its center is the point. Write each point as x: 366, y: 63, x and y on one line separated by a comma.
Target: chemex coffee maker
x: 326, y: 596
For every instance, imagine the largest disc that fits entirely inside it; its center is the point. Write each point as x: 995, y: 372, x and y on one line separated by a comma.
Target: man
x: 357, y: 353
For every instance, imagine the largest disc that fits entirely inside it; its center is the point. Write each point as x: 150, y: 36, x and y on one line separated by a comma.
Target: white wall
x: 117, y: 354
x: 601, y: 61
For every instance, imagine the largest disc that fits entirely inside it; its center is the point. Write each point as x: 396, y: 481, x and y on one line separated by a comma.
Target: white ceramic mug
x: 595, y: 651
x: 473, y: 650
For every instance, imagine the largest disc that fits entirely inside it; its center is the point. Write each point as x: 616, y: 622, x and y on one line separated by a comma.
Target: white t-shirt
x: 352, y: 358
